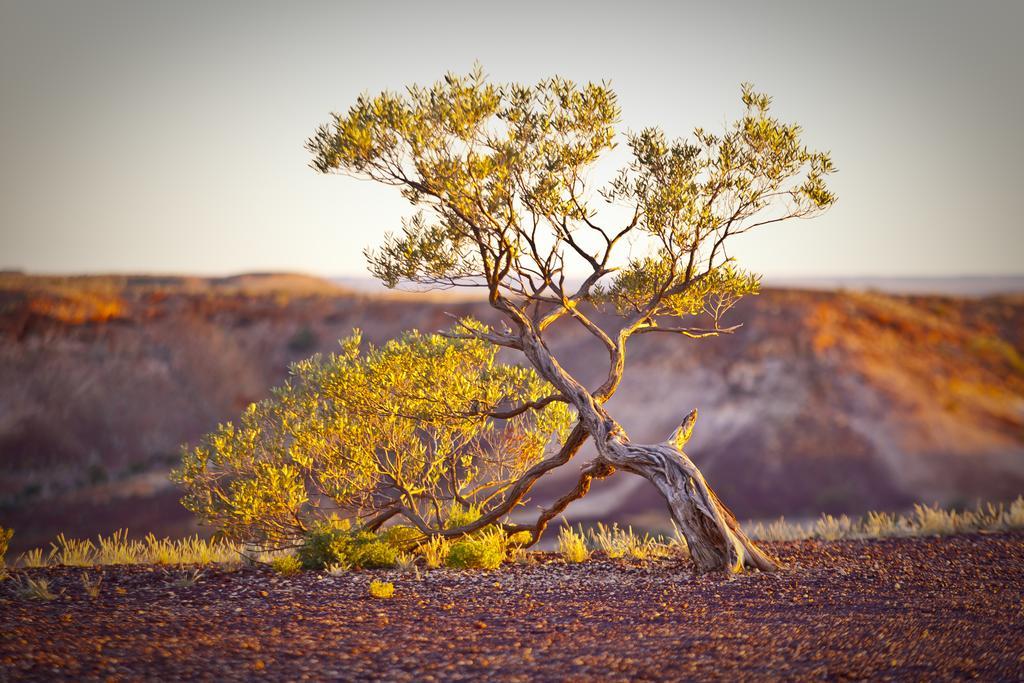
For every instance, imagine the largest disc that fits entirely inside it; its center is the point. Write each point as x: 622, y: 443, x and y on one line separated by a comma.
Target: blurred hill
x: 824, y: 401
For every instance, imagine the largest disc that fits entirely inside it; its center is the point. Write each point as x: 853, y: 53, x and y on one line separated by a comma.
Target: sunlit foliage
x: 483, y: 550
x: 502, y: 176
x: 5, y: 539
x: 405, y: 429
x: 381, y: 590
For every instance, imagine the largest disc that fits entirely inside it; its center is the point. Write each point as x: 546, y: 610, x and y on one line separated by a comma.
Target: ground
x: 923, y: 609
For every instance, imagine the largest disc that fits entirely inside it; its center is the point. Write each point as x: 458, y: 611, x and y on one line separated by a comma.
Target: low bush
x: 286, y: 565
x: 325, y: 546
x: 484, y: 550
x: 381, y: 589
x: 368, y: 551
x: 332, y: 546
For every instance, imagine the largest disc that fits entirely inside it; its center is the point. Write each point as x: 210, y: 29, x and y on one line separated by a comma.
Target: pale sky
x: 168, y: 137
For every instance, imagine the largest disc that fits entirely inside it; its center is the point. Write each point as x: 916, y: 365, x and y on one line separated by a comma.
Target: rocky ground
x: 923, y: 609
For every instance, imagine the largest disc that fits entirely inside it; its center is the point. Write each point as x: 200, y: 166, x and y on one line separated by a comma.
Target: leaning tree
x: 502, y: 176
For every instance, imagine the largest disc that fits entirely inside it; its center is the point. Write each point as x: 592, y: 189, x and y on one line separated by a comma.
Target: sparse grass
x: 91, y: 585
x: 381, y: 589
x: 406, y: 563
x: 572, y: 545
x: 435, y: 551
x: 188, y: 579
x: 118, y: 549
x: 925, y: 520
x: 32, y: 558
x: 34, y: 589
x: 616, y: 542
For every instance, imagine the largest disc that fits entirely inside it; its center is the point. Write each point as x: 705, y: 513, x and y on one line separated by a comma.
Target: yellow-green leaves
x: 480, y: 156
x: 364, y: 429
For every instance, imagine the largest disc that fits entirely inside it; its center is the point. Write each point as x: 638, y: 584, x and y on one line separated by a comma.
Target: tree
x: 501, y: 177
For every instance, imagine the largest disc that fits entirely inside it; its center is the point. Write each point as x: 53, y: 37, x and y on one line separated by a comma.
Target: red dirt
x: 924, y: 609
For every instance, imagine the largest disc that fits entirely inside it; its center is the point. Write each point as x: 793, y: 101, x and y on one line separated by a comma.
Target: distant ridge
x: 970, y: 285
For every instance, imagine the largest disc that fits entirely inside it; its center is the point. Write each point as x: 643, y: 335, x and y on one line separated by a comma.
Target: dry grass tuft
x: 925, y: 520
x: 572, y: 545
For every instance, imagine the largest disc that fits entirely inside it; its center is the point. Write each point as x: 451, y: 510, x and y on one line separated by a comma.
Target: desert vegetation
x: 335, y: 547
x: 498, y: 175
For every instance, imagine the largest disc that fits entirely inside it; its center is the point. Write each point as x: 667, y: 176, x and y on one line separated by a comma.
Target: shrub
x: 519, y: 539
x: 572, y: 545
x: 368, y: 551
x: 346, y: 428
x: 286, y: 565
x: 381, y: 589
x: 402, y: 537
x: 325, y: 546
x: 331, y: 546
x: 483, y: 551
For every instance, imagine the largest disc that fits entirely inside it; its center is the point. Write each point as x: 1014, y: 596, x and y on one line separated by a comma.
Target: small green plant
x: 435, y: 551
x: 35, y: 589
x: 368, y: 551
x: 572, y: 546
x: 461, y: 515
x: 324, y: 546
x: 286, y: 565
x: 406, y: 562
x: 91, y: 585
x: 520, y: 539
x: 189, y: 579
x: 485, y: 550
x: 332, y: 545
x: 381, y: 589
x: 337, y: 569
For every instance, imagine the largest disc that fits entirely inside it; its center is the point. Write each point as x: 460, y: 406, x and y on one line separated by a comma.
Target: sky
x: 168, y: 137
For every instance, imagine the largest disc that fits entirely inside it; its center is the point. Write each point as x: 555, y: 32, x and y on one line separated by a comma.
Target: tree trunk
x: 712, y: 533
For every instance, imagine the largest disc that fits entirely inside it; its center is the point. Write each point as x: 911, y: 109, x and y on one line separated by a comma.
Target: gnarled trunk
x: 712, y: 533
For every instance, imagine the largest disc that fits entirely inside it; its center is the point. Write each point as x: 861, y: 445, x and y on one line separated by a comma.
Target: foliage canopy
x: 407, y: 428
